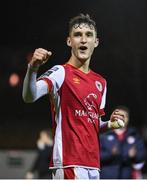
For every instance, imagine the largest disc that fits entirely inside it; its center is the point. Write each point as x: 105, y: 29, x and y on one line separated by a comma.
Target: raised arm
x: 33, y: 89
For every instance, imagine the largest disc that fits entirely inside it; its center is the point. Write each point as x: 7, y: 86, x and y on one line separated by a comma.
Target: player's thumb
x: 49, y: 53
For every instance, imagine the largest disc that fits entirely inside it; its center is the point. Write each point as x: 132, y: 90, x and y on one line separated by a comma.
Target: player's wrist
x: 33, y: 68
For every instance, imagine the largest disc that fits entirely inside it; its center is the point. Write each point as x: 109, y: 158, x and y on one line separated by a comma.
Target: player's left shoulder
x: 100, y: 81
x: 98, y: 76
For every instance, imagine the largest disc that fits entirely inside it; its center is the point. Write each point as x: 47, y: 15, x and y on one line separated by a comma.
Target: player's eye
x: 76, y: 34
x: 89, y: 34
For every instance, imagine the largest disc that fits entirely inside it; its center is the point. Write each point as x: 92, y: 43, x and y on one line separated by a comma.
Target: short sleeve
x: 54, y: 78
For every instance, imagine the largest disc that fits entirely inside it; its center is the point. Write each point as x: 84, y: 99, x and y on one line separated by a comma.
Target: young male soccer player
x: 77, y: 97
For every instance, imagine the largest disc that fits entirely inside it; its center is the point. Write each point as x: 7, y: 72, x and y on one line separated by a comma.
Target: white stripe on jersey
x: 57, y: 150
x: 57, y: 78
x: 103, y: 99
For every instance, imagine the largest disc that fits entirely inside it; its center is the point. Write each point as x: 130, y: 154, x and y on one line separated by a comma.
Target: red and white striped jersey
x: 77, y: 102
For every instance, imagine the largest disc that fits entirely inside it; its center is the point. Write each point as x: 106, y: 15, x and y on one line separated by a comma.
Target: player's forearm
x: 29, y: 85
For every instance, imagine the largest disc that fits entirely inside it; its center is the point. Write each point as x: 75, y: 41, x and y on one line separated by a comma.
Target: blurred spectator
x: 144, y: 134
x: 122, y: 152
x: 41, y: 164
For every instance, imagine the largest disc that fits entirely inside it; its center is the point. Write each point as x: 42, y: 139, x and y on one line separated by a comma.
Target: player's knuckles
x: 41, y: 57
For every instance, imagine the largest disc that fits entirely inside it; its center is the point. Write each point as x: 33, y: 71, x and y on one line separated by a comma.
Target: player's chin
x: 83, y: 58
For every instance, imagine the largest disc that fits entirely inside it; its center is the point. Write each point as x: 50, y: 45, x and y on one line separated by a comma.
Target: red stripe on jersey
x: 49, y: 82
x: 69, y: 173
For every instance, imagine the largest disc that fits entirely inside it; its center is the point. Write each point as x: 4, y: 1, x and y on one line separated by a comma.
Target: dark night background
x: 120, y: 58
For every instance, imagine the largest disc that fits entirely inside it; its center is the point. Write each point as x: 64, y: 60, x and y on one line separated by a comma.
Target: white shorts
x: 76, y: 173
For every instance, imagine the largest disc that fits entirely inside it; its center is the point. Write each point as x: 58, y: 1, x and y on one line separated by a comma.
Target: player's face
x: 82, y: 40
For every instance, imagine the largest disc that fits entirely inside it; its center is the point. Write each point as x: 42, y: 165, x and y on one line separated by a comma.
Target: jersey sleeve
x: 54, y: 77
x: 103, y: 101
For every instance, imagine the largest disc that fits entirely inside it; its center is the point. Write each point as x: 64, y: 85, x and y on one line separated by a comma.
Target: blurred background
x: 121, y: 58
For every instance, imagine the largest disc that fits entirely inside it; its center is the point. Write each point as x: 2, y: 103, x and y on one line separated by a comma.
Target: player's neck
x: 83, y: 66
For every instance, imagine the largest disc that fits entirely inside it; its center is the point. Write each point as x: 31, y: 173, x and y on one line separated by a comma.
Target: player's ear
x: 68, y: 41
x: 96, y: 42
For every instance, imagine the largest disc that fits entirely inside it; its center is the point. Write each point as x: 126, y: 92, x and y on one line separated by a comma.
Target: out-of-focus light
x: 14, y: 79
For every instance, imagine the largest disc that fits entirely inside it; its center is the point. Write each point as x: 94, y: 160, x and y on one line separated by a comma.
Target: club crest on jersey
x: 99, y: 85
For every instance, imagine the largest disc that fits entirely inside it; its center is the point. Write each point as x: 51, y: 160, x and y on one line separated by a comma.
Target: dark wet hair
x: 80, y: 19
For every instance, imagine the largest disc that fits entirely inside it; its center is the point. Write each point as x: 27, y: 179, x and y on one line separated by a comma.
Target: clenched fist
x: 40, y: 57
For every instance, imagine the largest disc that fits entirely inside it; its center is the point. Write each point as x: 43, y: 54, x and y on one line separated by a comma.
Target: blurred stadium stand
x: 15, y: 163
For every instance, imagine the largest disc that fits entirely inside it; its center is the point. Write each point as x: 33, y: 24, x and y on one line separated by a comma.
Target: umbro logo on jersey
x: 76, y: 80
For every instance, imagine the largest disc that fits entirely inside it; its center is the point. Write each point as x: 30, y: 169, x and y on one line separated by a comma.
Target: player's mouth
x: 83, y: 48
